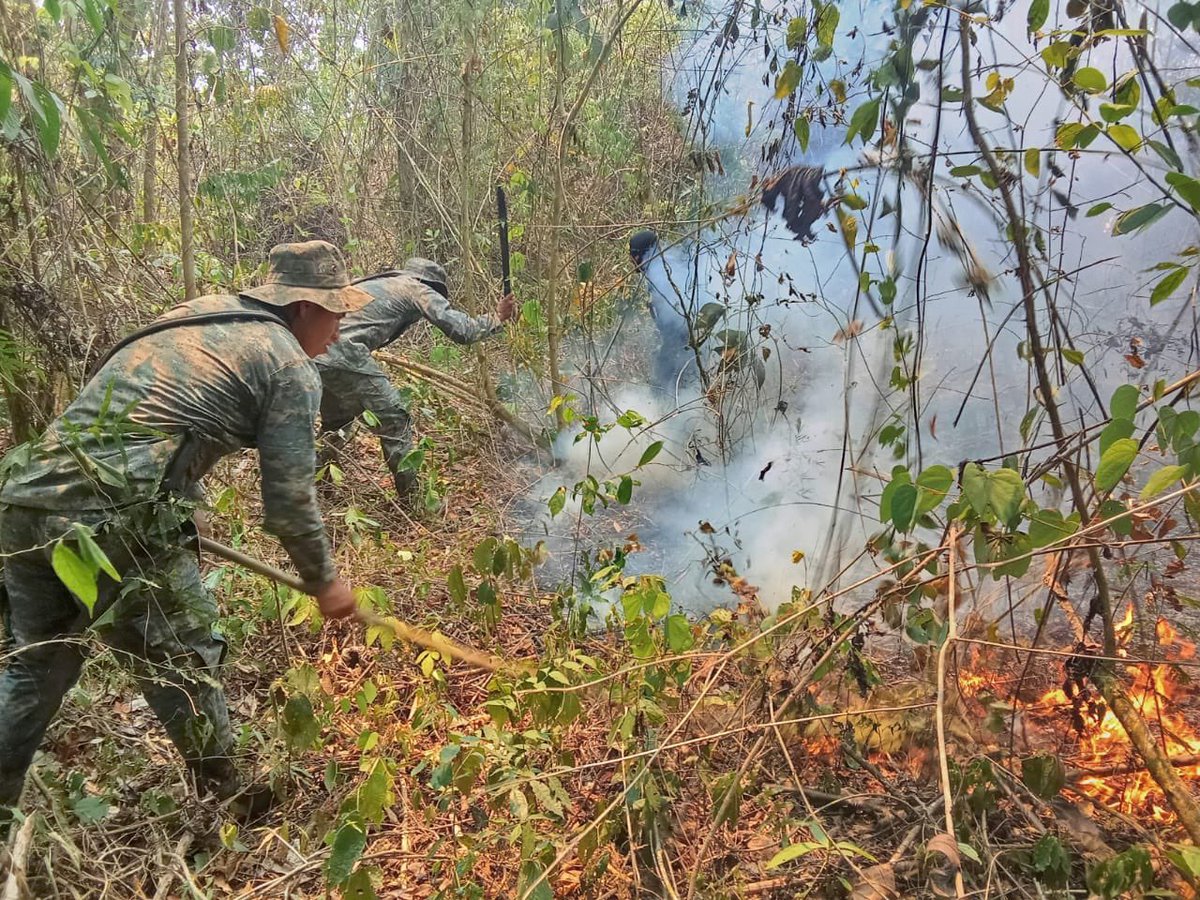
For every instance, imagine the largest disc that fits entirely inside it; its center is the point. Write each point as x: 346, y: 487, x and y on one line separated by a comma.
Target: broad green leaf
x: 934, y: 483
x: 54, y: 7
x: 1073, y: 356
x: 975, y: 487
x: 482, y: 557
x: 1090, y: 80
x: 1058, y: 54
x: 1115, y: 112
x: 1125, y: 137
x: 965, y: 171
x: 1033, y: 160
x: 348, y: 845
x: 650, y: 453
x: 44, y: 108
x: 1186, y: 858
x: 1047, y: 526
x: 1134, y: 219
x: 359, y: 887
x: 457, y: 586
x: 1098, y: 209
x: 300, y: 726
x: 1180, y: 15
x: 1161, y: 480
x: 557, y: 501
x: 625, y: 490
x: 802, y: 129
x: 827, y: 23
x: 1114, y: 463
x: 1169, y: 156
x: 1185, y: 187
x: 904, y: 506
x: 679, y: 633
x: 1038, y: 11
x: 77, y: 575
x: 1167, y: 285
x: 1006, y: 492
x: 863, y: 121
x: 90, y: 810
x: 1044, y: 775
x: 1115, y: 431
x: 900, y: 476
x: 6, y: 86
x: 788, y: 80
x: 797, y: 28
x: 1124, y: 402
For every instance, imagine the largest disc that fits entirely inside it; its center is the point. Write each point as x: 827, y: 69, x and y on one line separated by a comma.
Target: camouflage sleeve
x: 455, y: 324
x: 287, y: 455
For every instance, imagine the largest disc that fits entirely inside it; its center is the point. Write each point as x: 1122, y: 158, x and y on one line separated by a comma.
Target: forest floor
x: 857, y: 797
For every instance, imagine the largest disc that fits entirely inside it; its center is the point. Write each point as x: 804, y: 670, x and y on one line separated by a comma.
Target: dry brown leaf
x: 853, y: 330
x: 281, y: 34
x: 945, y: 863
x: 876, y: 883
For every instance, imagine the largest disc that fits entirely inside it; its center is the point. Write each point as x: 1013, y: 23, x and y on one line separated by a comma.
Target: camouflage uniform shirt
x: 165, y: 408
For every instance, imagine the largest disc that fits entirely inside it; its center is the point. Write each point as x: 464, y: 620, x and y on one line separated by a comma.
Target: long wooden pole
x: 403, y: 631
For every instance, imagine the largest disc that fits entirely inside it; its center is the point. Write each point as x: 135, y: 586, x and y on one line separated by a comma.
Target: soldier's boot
x: 219, y: 776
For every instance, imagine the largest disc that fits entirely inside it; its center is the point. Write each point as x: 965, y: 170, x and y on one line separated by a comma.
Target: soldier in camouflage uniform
x: 353, y: 381
x: 123, y: 463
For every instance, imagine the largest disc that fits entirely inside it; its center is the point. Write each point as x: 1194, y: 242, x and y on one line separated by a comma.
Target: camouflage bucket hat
x: 429, y: 272
x: 312, y: 271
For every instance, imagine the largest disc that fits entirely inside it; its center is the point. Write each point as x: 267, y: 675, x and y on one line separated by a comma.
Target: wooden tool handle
x: 403, y: 631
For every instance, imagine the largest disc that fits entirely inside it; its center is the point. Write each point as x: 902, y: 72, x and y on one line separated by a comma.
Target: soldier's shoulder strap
x: 209, y: 318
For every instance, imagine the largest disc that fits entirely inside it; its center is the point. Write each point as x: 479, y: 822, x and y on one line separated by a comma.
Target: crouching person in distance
x: 123, y: 464
x: 353, y: 382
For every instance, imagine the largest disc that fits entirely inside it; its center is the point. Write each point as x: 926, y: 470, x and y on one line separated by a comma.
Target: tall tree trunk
x: 182, y: 87
x: 150, y: 141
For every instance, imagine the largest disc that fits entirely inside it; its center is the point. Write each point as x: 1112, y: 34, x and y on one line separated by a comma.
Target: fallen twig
x: 164, y: 884
x: 15, y: 887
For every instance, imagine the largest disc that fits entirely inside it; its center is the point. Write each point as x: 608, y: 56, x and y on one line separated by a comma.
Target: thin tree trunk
x: 150, y: 140
x: 182, y: 86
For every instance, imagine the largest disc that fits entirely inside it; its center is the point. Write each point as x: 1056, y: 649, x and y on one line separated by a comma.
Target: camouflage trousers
x: 347, y: 392
x: 158, y: 620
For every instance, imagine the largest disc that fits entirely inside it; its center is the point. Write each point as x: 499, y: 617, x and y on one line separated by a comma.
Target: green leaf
x: 6, y: 86
x: 1186, y: 858
x: 1125, y: 137
x: 1115, y: 431
x: 1047, y: 526
x: 1134, y: 219
x: 1044, y: 775
x: 965, y: 171
x: 1124, y: 402
x: 796, y: 30
x: 457, y: 586
x: 44, y: 108
x: 300, y: 726
x: 1114, y: 463
x: 802, y: 129
x: 1180, y: 15
x: 531, y: 883
x: 904, y: 506
x: 1098, y: 209
x: 348, y: 845
x: 1033, y: 160
x: 900, y: 476
x: 359, y: 887
x: 92, y: 554
x: 1038, y: 12
x: 1169, y: 156
x: 90, y: 809
x: 650, y: 453
x: 1073, y: 356
x: 934, y: 483
x: 485, y: 550
x: 1058, y: 54
x: 557, y: 501
x: 54, y: 7
x: 77, y: 575
x: 863, y: 121
x: 1161, y: 480
x: 1090, y: 80
x: 788, y: 80
x: 803, y: 848
x: 1185, y: 187
x: 975, y: 488
x: 679, y: 633
x: 1168, y: 285
x: 1115, y: 112
x: 625, y: 490
x: 1006, y: 492
x: 827, y: 23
